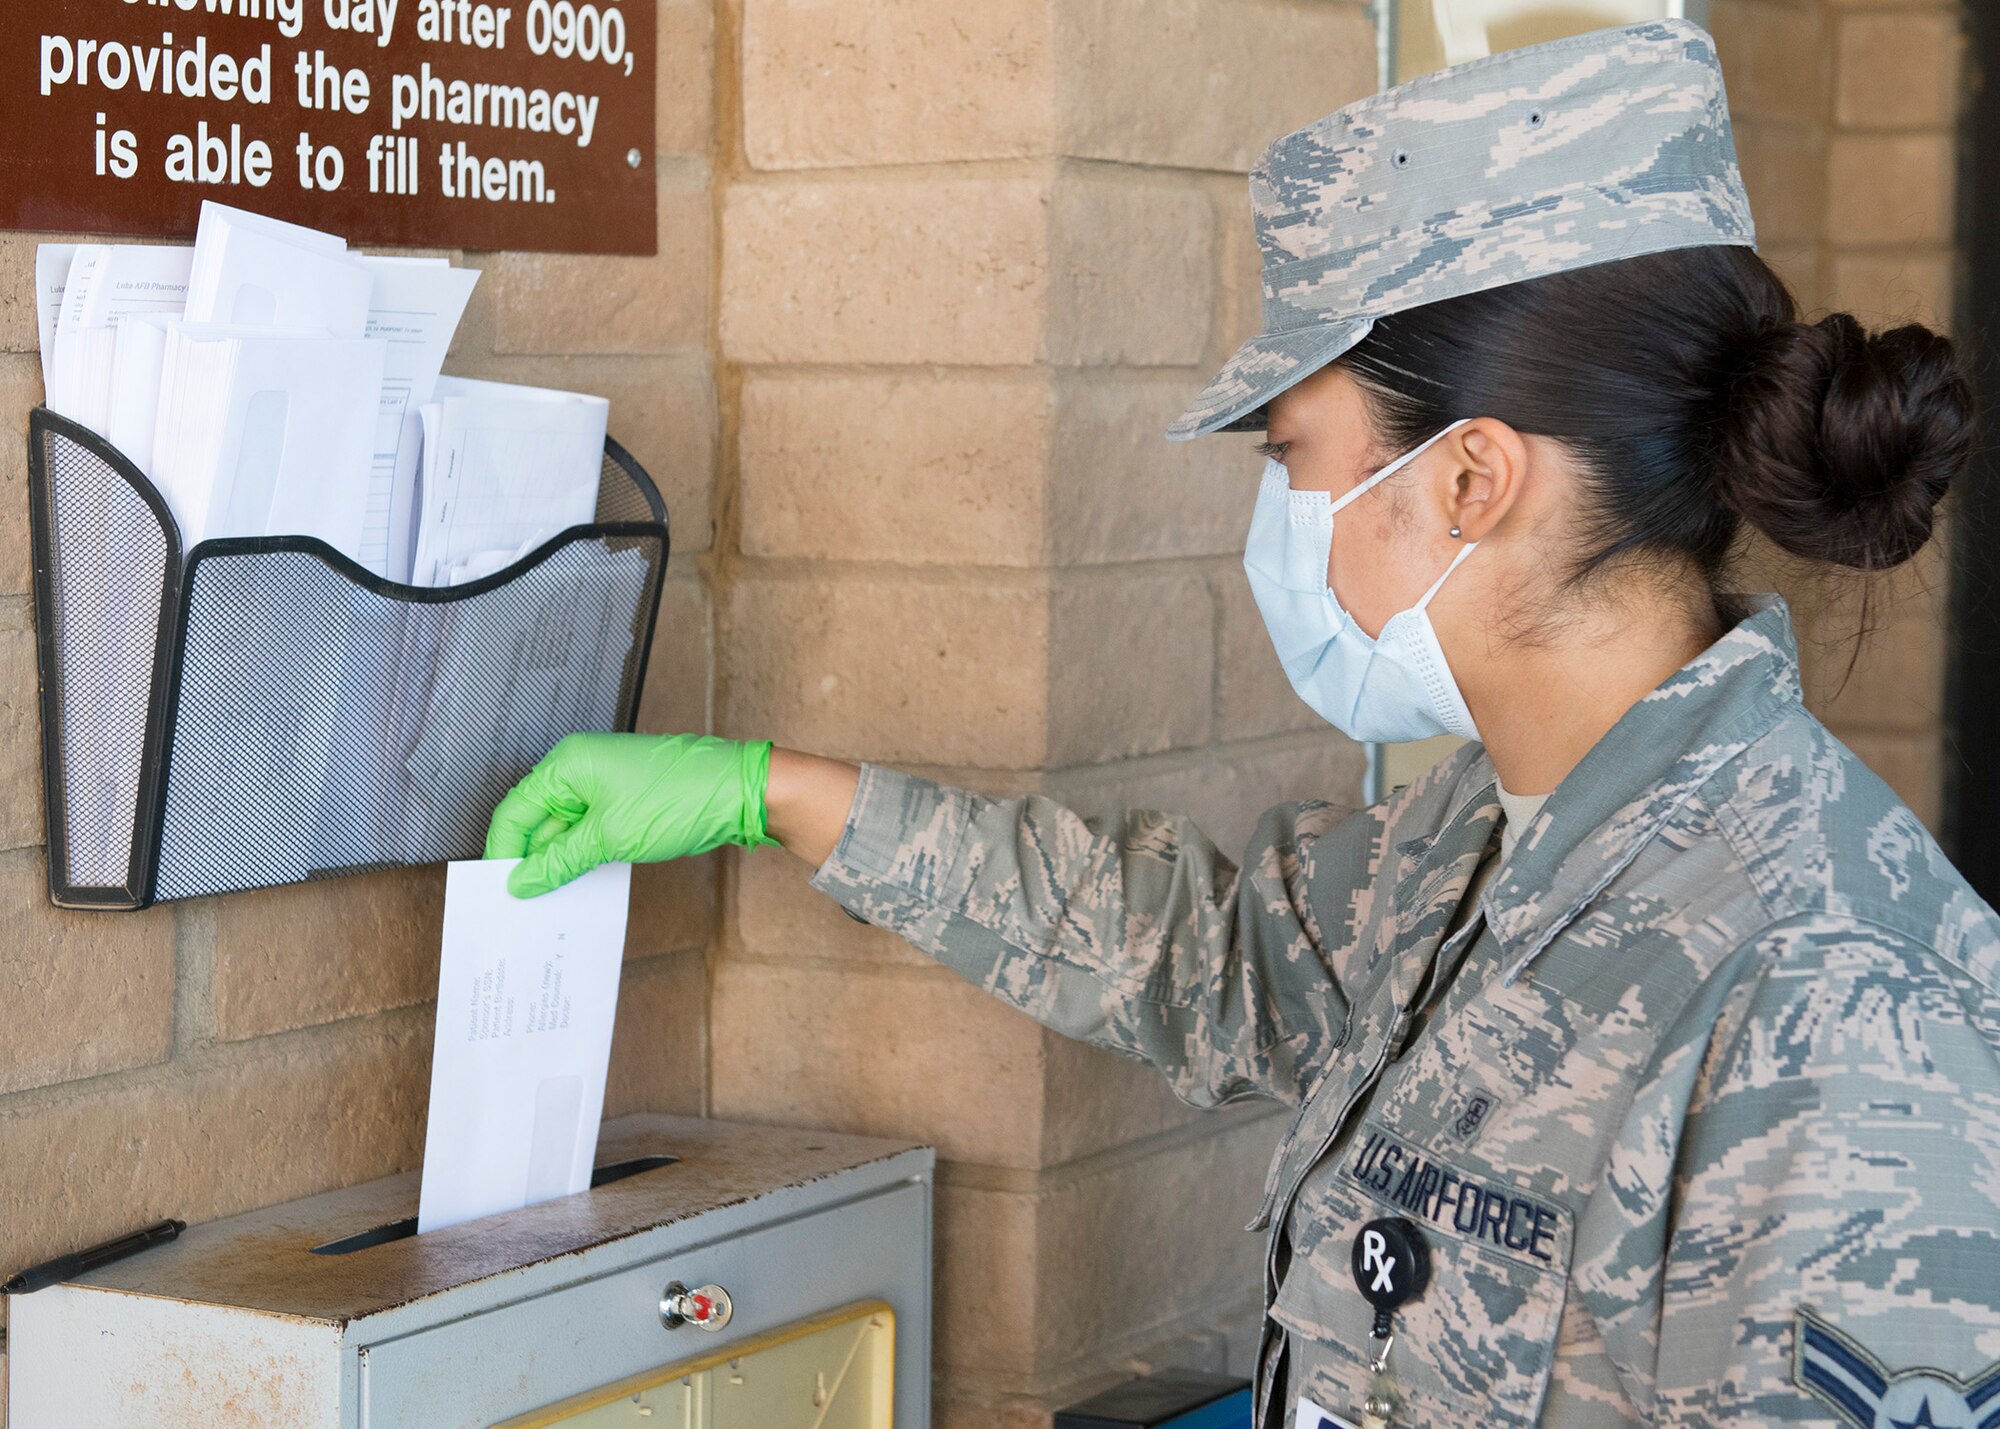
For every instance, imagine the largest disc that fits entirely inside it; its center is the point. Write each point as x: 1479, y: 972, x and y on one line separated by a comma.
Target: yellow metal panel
x: 833, y: 1371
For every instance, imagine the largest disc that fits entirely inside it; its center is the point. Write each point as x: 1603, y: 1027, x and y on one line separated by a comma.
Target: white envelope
x: 81, y: 358
x: 138, y: 363
x: 527, y: 994
x: 252, y: 275
x: 298, y: 235
x: 262, y: 434
x: 195, y: 369
x: 297, y: 439
x: 216, y: 217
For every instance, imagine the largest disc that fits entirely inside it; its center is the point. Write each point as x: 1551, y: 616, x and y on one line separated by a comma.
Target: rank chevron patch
x: 1834, y: 1368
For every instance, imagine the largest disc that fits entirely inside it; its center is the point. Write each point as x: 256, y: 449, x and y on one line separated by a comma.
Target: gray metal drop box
x: 719, y: 1276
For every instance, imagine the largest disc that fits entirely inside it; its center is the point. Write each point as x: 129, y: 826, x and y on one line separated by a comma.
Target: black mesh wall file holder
x: 262, y: 711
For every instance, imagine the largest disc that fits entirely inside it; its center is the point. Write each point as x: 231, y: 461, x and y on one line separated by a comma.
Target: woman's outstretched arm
x: 806, y: 800
x: 1133, y: 933
x: 1137, y: 934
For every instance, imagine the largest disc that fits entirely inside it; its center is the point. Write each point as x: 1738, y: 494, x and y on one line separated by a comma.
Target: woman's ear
x: 1489, y: 465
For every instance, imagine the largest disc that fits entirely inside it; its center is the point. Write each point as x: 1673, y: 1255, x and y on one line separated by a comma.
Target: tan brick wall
x: 973, y: 262
x: 932, y: 279
x: 209, y: 1057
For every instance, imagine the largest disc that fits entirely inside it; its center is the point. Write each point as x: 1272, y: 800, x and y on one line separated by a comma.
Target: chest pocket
x: 1476, y: 1347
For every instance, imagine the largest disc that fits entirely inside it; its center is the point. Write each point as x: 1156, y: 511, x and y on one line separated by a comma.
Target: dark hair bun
x: 1838, y: 444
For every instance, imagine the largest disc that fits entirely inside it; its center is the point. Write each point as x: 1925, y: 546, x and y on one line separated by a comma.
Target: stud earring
x: 1454, y: 533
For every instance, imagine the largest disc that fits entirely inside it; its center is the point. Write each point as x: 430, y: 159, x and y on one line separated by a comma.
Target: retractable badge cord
x: 1392, y: 1265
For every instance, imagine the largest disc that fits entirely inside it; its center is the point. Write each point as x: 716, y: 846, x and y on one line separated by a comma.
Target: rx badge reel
x: 1392, y: 1265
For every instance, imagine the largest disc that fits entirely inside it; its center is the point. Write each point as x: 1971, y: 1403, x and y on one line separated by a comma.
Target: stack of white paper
x: 416, y: 308
x: 267, y: 388
x: 269, y: 382
x: 52, y: 264
x: 527, y: 993
x: 105, y: 288
x: 504, y: 469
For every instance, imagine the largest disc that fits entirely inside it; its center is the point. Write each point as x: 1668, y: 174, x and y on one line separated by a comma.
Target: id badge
x: 1311, y: 1416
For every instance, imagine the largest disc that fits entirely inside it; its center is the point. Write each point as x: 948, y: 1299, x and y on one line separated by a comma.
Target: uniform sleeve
x: 1833, y: 1217
x: 1140, y: 936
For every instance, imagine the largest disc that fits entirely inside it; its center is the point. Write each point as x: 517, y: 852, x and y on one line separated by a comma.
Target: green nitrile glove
x: 639, y: 798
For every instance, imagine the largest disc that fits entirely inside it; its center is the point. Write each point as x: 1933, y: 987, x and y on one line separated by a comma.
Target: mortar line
x: 195, y: 963
x: 219, y: 1055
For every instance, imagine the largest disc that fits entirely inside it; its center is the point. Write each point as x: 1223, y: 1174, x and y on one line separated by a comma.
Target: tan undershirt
x: 1520, y: 808
x: 1517, y: 810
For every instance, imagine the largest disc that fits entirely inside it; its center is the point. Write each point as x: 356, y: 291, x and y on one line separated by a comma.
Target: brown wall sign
x: 439, y: 123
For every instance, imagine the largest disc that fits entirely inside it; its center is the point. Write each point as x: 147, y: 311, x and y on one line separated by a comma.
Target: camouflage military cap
x: 1554, y: 156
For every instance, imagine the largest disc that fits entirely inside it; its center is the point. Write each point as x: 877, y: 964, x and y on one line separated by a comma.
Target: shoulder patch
x: 1835, y: 1369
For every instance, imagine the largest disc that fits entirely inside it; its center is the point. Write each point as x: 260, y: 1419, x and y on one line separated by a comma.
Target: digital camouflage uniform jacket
x: 1704, y: 1129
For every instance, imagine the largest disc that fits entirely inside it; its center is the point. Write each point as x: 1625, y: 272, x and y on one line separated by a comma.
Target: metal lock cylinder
x: 706, y: 1307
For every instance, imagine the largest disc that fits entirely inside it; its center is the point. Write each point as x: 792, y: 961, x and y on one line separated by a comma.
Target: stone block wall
x: 932, y: 279
x: 204, y: 1058
x: 973, y: 262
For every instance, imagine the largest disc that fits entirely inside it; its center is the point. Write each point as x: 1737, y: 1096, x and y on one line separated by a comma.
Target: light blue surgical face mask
x: 1389, y: 689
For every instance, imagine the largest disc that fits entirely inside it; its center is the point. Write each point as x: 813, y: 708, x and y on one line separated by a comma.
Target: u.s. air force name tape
x: 1474, y: 1208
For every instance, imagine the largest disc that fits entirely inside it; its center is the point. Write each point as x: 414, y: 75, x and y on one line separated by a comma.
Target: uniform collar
x: 1438, y: 868
x: 1637, y: 776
